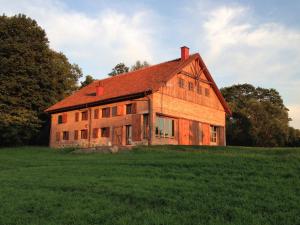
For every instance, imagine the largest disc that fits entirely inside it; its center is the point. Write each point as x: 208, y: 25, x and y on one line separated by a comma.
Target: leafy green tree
x: 139, y: 65
x: 293, y: 137
x: 259, y: 116
x: 88, y: 80
x: 119, y: 69
x: 32, y: 77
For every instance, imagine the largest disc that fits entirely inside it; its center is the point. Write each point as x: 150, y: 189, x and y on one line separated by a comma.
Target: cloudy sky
x: 257, y: 41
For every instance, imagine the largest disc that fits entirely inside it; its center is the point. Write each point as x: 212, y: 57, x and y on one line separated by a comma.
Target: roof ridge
x: 144, y: 68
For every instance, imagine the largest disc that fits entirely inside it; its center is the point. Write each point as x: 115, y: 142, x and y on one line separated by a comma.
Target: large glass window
x: 164, y: 127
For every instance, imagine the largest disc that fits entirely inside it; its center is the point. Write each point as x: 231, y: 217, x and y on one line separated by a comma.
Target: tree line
x: 33, y: 77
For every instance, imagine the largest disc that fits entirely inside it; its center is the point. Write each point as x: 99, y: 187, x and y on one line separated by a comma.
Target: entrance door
x: 117, y: 136
x: 128, y: 135
x: 184, y: 132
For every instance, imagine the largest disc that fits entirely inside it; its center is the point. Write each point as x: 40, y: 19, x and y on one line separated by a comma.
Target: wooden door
x: 221, y: 136
x: 205, y: 134
x: 117, y: 136
x: 194, y: 133
x: 184, y: 132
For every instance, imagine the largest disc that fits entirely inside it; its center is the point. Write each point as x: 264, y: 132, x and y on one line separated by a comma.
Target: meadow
x: 150, y: 185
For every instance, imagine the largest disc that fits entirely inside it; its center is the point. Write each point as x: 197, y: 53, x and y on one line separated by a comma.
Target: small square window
x: 191, y: 86
x: 130, y: 108
x: 84, y: 134
x: 84, y: 115
x: 66, y: 135
x: 105, y: 132
x: 105, y: 112
x: 60, y: 119
x: 181, y: 83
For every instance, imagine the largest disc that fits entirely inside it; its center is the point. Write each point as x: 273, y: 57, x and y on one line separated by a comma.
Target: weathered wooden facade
x: 176, y: 102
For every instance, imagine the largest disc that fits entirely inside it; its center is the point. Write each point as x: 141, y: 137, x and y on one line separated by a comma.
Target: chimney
x: 99, y: 90
x: 185, y: 53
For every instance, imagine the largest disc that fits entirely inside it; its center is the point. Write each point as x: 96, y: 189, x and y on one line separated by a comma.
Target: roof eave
x: 100, y: 102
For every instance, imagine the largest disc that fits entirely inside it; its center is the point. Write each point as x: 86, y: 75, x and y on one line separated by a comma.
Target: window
x: 145, y: 126
x: 181, y: 83
x: 84, y: 115
x: 66, y: 135
x: 191, y: 86
x: 95, y: 133
x: 206, y: 92
x: 128, y: 135
x: 57, y: 136
x: 105, y: 112
x: 84, y: 134
x: 96, y: 113
x: 164, y: 127
x: 213, y: 134
x: 76, y: 116
x: 129, y: 109
x: 76, y: 135
x: 199, y: 89
x: 105, y: 132
x: 60, y: 119
x: 114, y: 111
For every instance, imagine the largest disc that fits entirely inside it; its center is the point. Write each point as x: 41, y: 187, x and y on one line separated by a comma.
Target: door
x: 184, y: 132
x: 128, y: 135
x: 194, y: 133
x: 117, y: 136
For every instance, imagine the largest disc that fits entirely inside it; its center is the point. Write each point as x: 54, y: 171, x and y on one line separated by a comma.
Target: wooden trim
x: 192, y: 76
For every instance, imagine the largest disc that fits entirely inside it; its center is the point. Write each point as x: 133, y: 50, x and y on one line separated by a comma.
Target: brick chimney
x: 185, y: 53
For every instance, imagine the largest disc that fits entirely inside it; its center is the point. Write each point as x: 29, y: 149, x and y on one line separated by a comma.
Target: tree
x: 32, y: 77
x: 119, y: 69
x: 293, y: 137
x: 88, y: 80
x: 139, y: 65
x: 259, y: 116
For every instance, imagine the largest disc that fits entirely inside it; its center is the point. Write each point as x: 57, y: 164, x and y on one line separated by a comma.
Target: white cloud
x: 238, y: 49
x: 96, y: 42
x: 261, y: 51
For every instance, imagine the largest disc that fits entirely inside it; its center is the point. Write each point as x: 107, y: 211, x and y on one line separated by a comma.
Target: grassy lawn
x: 168, y: 185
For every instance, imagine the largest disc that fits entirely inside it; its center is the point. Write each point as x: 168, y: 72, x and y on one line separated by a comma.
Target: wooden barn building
x: 175, y: 102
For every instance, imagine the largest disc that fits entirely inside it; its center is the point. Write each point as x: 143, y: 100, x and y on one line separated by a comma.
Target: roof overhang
x: 101, y: 102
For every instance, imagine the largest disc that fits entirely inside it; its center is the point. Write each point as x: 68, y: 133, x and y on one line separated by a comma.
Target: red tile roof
x: 147, y: 79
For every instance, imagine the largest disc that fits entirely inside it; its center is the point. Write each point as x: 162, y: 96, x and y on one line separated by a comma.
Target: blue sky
x: 257, y: 42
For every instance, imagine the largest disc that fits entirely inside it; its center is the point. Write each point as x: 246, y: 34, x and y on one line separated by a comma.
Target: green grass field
x: 167, y: 185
